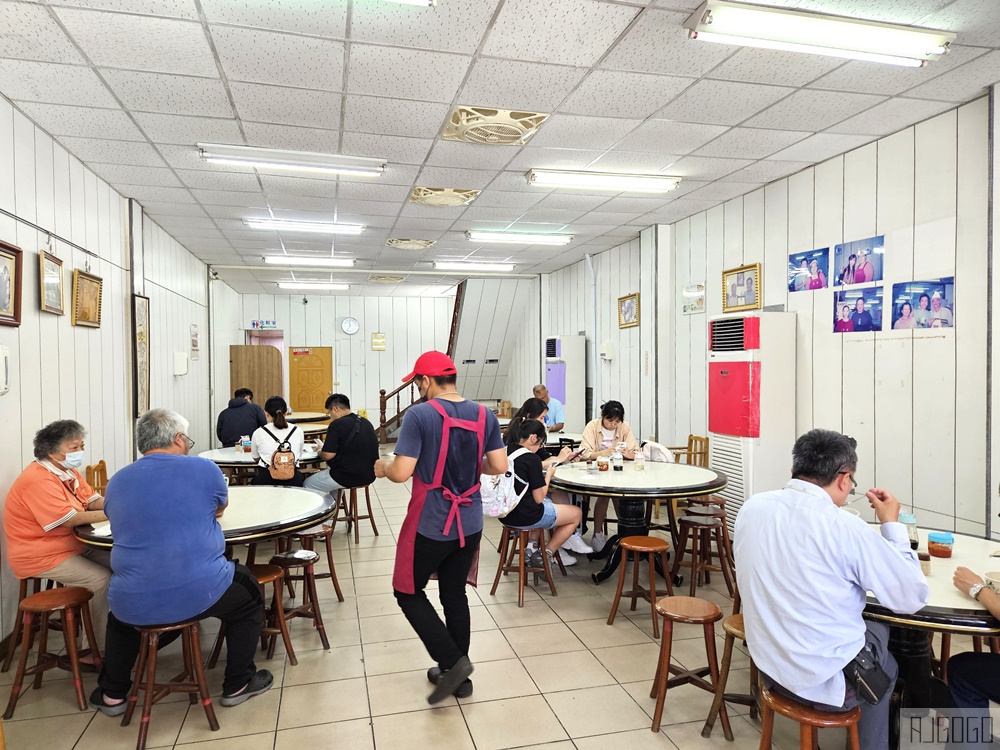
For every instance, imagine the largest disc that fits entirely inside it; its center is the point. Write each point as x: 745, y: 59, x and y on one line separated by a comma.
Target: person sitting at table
x: 169, y: 562
x: 535, y: 510
x: 600, y: 438
x: 241, y: 417
x: 266, y: 440
x: 973, y: 678
x: 803, y: 573
x: 46, y: 502
x: 350, y: 449
x: 555, y: 420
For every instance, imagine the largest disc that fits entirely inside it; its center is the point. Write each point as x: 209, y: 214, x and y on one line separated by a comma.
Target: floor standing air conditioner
x: 751, y: 403
x: 566, y: 377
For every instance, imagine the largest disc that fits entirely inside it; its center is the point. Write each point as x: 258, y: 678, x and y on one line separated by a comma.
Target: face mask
x: 73, y: 460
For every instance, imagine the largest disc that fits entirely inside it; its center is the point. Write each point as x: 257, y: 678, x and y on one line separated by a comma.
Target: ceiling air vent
x: 502, y: 127
x: 442, y: 197
x: 376, y: 279
x: 407, y: 244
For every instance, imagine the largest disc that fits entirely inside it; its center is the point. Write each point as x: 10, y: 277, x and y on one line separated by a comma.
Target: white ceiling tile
x: 304, y: 16
x: 27, y: 32
x: 680, y: 209
x: 455, y: 26
x: 416, y: 211
x: 470, y: 155
x: 574, y: 131
x: 222, y: 212
x: 552, y: 158
x: 405, y: 73
x: 723, y: 191
x: 112, y: 152
x: 53, y: 83
x: 209, y: 180
x: 641, y: 162
x: 291, y: 137
x: 156, y: 194
x: 821, y: 146
x: 632, y: 204
x: 770, y: 66
x: 373, y: 192
x: 480, y: 214
x: 160, y: 45
x: 282, y: 59
x: 607, y: 220
x: 167, y: 8
x: 681, y: 5
x: 225, y: 198
x: 377, y: 208
x: 368, y: 114
x: 549, y: 216
x: 615, y: 93
x: 286, y: 106
x: 570, y: 201
x: 893, y: 115
x: 751, y: 143
x: 811, y: 109
x: 722, y: 102
x: 887, y: 11
x: 119, y: 174
x: 394, y: 174
x: 59, y: 119
x: 553, y: 31
x: 872, y: 78
x: 975, y: 21
x: 300, y: 202
x: 505, y: 199
x: 767, y: 171
x: 394, y: 148
x: 189, y: 225
x: 173, y: 209
x: 518, y: 85
x: 174, y: 95
x: 705, y: 168
x: 659, y: 44
x: 188, y: 157
x: 186, y: 131
x: 278, y: 185
x: 670, y: 137
x: 687, y: 186
x: 963, y: 83
x: 515, y: 181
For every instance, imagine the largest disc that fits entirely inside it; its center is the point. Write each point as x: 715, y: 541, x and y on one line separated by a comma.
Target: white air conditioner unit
x: 566, y: 377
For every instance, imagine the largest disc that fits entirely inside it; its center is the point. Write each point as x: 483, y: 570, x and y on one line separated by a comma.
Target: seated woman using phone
x: 600, y: 437
x: 536, y: 510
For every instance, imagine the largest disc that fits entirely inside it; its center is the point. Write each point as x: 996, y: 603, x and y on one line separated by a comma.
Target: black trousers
x: 241, y: 607
x: 263, y: 476
x: 447, y: 641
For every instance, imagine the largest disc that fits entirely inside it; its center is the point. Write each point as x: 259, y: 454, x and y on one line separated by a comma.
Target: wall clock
x: 350, y: 326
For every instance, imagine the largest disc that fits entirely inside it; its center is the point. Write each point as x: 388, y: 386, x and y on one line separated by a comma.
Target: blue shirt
x: 555, y: 414
x: 420, y: 438
x: 168, y: 558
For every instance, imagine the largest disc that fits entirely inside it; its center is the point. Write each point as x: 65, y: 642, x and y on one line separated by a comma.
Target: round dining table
x: 307, y: 416
x: 230, y: 458
x: 252, y: 515
x: 555, y: 438
x: 313, y: 430
x: 634, y: 490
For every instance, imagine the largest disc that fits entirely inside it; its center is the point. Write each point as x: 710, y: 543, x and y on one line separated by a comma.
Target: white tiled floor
x: 550, y: 675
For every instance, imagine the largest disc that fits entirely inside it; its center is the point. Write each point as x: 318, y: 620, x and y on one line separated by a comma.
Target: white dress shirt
x: 803, y: 568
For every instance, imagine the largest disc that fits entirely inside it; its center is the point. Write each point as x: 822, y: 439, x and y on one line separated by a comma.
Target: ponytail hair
x: 276, y: 408
x: 532, y: 427
x: 530, y: 411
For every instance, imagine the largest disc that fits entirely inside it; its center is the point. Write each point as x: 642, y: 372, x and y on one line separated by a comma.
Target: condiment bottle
x: 910, y: 521
x: 617, y: 460
x: 640, y: 461
x: 925, y: 562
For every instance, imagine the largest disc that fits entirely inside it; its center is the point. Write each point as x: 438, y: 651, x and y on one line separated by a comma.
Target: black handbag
x: 863, y: 673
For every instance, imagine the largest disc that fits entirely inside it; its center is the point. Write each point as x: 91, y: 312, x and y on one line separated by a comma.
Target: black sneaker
x: 451, y: 680
x: 97, y: 701
x: 259, y: 683
x: 535, y: 561
x: 464, y: 690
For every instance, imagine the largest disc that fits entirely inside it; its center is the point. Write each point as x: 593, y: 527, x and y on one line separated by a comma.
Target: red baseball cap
x: 432, y: 363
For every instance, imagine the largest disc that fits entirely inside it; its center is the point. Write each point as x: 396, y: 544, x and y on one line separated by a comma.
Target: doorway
x: 310, y: 377
x: 257, y: 368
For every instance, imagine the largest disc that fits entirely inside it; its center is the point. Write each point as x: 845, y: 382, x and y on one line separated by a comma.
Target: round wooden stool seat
x: 733, y: 625
x: 161, y: 629
x: 704, y: 511
x: 266, y: 573
x: 700, y: 522
x: 701, y: 530
x: 314, y: 531
x: 295, y: 559
x: 309, y: 607
x: 688, y: 610
x: 655, y: 549
x: 718, y: 500
x: 55, y: 600
x: 807, y: 715
x: 644, y: 544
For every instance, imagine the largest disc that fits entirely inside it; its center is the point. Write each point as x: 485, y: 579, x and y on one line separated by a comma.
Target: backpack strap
x: 517, y: 454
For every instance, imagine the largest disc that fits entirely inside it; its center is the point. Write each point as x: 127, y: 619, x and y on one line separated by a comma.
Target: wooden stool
x: 308, y: 537
x: 688, y: 610
x: 190, y: 681
x: 274, y: 617
x: 350, y: 507
x: 701, y: 531
x: 733, y: 627
x: 310, y: 601
x: 809, y: 719
x: 512, y: 545
x: 652, y: 546
x: 15, y: 638
x: 72, y: 602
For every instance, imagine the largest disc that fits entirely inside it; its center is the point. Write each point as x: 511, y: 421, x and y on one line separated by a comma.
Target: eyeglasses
x: 854, y: 484
x: 190, y: 441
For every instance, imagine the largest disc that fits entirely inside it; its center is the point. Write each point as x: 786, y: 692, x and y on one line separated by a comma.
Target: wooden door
x: 257, y: 368
x: 310, y: 377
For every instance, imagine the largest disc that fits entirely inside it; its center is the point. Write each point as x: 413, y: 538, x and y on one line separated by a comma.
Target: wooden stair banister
x: 397, y: 418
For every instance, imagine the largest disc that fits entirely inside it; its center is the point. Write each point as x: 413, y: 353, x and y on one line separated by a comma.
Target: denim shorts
x: 547, y: 521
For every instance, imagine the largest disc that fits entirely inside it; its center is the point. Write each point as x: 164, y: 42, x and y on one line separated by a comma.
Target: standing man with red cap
x: 444, y: 445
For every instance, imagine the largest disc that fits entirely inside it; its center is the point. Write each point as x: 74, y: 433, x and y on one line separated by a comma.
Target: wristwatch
x: 975, y: 589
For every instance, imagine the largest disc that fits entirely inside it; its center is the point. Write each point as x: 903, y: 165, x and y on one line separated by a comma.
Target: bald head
x: 541, y: 392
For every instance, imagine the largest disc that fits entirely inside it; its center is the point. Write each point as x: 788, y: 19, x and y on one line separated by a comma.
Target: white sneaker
x: 567, y: 559
x: 598, y: 541
x: 576, y: 544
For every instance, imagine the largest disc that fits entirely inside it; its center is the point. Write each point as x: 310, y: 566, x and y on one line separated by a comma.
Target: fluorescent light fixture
x: 519, y: 238
x: 626, y: 183
x: 473, y: 267
x: 815, y: 33
x: 312, y: 227
x: 296, y: 161
x: 424, y: 3
x: 316, y: 286
x: 298, y: 260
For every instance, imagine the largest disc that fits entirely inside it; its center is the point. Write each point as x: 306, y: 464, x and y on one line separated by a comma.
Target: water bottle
x: 640, y: 461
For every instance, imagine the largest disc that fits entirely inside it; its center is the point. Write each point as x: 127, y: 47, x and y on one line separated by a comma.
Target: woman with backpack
x: 277, y: 448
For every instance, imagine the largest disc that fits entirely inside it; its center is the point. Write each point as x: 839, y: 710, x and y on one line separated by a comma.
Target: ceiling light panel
x: 473, y: 267
x: 519, y: 238
x: 314, y: 262
x: 312, y: 227
x: 296, y: 161
x: 630, y: 183
x: 318, y: 286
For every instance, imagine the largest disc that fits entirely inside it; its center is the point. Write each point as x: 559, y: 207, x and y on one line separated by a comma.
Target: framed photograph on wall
x: 741, y: 288
x: 693, y: 299
x: 140, y: 353
x: 628, y: 310
x: 857, y: 310
x: 50, y: 284
x: 10, y: 285
x: 920, y: 305
x: 859, y: 262
x: 808, y: 271
x: 87, y: 292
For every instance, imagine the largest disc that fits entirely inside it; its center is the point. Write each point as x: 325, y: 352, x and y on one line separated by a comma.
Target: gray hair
x: 539, y: 388
x: 820, y: 455
x: 157, y: 428
x: 49, y: 438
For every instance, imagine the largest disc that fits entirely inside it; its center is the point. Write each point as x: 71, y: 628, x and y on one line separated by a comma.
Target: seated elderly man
x: 44, y: 504
x: 169, y: 562
x: 803, y: 569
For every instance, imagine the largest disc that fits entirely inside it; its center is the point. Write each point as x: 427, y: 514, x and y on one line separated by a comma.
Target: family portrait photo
x: 809, y: 270
x: 923, y: 304
x: 858, y: 262
x: 741, y: 288
x: 858, y: 310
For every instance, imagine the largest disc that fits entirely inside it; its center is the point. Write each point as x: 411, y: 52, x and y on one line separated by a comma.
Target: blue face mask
x: 73, y: 460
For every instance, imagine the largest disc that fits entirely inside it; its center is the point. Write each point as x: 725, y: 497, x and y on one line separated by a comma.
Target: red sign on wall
x: 301, y: 352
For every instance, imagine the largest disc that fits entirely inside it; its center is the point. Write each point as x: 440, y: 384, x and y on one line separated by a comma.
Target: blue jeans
x: 547, y: 521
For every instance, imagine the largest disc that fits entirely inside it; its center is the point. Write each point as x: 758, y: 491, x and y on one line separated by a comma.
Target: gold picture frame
x: 628, y: 311
x: 741, y: 289
x: 52, y: 297
x: 10, y: 285
x: 87, y: 292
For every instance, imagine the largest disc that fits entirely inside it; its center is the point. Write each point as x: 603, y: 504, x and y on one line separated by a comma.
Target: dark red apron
x: 402, y: 576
